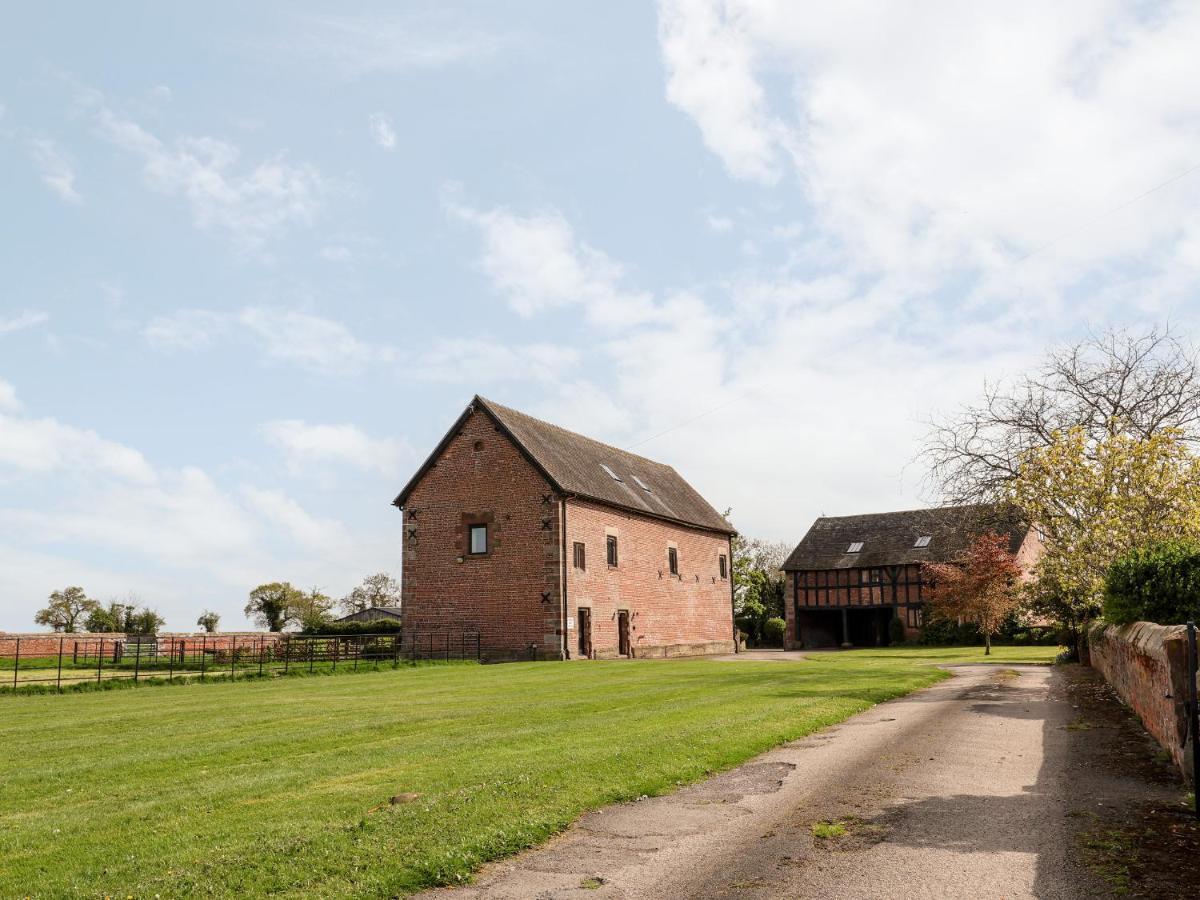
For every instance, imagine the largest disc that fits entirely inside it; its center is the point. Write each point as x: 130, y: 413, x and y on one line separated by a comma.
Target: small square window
x: 923, y: 541
x: 673, y: 560
x: 722, y: 564
x: 855, y: 547
x: 479, y: 539
x: 580, y: 555
x: 612, y: 549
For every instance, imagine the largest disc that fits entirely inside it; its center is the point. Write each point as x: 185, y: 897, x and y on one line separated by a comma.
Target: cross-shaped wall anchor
x: 412, y: 515
x: 547, y: 499
x: 545, y: 524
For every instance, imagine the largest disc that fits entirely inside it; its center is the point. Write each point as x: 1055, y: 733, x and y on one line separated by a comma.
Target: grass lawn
x: 283, y: 786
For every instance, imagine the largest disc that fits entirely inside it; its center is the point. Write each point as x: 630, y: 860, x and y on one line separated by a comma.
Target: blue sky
x: 254, y: 261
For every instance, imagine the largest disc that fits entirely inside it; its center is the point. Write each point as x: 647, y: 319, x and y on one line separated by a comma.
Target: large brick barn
x: 552, y: 545
x: 851, y: 575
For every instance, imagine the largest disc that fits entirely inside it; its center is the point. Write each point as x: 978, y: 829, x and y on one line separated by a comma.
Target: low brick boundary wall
x: 42, y: 643
x: 1146, y: 664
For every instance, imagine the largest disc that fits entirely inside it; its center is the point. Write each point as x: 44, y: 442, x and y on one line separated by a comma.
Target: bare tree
x: 1137, y: 383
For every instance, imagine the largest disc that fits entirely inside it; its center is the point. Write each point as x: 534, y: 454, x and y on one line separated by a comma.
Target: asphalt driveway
x: 971, y: 788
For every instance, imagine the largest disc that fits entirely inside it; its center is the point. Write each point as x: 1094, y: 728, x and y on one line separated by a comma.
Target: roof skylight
x: 611, y: 474
x: 923, y: 540
x: 645, y: 487
x: 855, y: 547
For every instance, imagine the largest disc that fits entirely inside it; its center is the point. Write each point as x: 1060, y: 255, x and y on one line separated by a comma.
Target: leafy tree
x: 106, y: 619
x: 145, y: 621
x: 271, y: 606
x: 1097, y: 498
x: 1115, y: 382
x: 123, y: 618
x: 65, y: 608
x: 379, y: 589
x: 209, y: 621
x: 311, y: 611
x: 980, y: 585
x: 758, y: 584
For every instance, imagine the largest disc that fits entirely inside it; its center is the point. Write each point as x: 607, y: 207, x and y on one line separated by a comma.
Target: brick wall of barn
x: 670, y: 615
x: 511, y: 595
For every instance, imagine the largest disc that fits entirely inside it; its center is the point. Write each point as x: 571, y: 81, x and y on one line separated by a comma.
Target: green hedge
x: 773, y: 630
x: 379, y: 626
x: 1156, y: 583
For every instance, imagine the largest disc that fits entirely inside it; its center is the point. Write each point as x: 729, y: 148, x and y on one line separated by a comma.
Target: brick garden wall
x: 688, y: 614
x: 1146, y: 665
x: 512, y: 595
x: 41, y: 643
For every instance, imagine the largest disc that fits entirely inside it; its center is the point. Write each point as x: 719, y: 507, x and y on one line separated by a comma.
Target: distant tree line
x: 274, y: 607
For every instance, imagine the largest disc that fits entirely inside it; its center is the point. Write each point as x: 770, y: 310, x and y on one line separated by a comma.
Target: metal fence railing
x: 62, y: 660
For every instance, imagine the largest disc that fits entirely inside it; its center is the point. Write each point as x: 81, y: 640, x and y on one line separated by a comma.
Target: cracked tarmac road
x: 964, y: 789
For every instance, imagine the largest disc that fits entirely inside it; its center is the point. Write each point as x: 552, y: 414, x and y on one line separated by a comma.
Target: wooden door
x: 623, y: 632
x: 585, y: 632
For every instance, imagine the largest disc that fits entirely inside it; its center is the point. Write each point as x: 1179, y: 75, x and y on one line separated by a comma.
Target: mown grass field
x: 283, y: 787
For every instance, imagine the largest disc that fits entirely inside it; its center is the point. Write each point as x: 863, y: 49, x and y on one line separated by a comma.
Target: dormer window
x: 923, y: 541
x: 611, y: 474
x: 855, y: 547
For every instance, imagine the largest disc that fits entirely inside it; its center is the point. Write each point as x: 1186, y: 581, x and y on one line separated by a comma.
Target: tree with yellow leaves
x: 1096, y: 497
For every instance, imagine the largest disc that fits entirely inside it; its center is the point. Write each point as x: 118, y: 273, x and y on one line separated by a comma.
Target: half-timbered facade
x: 852, y: 575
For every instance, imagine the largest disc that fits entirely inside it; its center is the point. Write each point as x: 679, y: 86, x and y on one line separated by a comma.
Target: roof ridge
x: 901, y: 512
x: 494, y: 405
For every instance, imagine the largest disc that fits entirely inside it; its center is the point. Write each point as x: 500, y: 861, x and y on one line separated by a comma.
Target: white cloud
x: 942, y: 138
x: 8, y: 397
x: 382, y: 132
x: 306, y: 444
x: 55, y: 169
x: 250, y: 205
x: 710, y: 61
x: 46, y: 445
x: 309, y: 341
x: 282, y: 335
x: 358, y: 46
x: 26, y: 319
x: 538, y: 264
x: 718, y: 224
x: 188, y: 329
x: 310, y: 532
x: 477, y: 361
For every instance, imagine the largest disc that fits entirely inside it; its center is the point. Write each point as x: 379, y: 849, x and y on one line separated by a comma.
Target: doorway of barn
x: 861, y: 627
x: 585, y: 632
x: 623, y: 632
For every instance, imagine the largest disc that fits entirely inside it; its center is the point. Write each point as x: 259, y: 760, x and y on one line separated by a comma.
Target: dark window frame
x: 673, y: 560
x: 487, y: 539
x: 610, y: 551
x: 723, y: 565
x: 579, y: 552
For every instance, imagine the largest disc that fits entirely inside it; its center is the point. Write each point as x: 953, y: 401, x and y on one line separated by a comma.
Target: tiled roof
x: 890, y: 539
x: 574, y: 464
